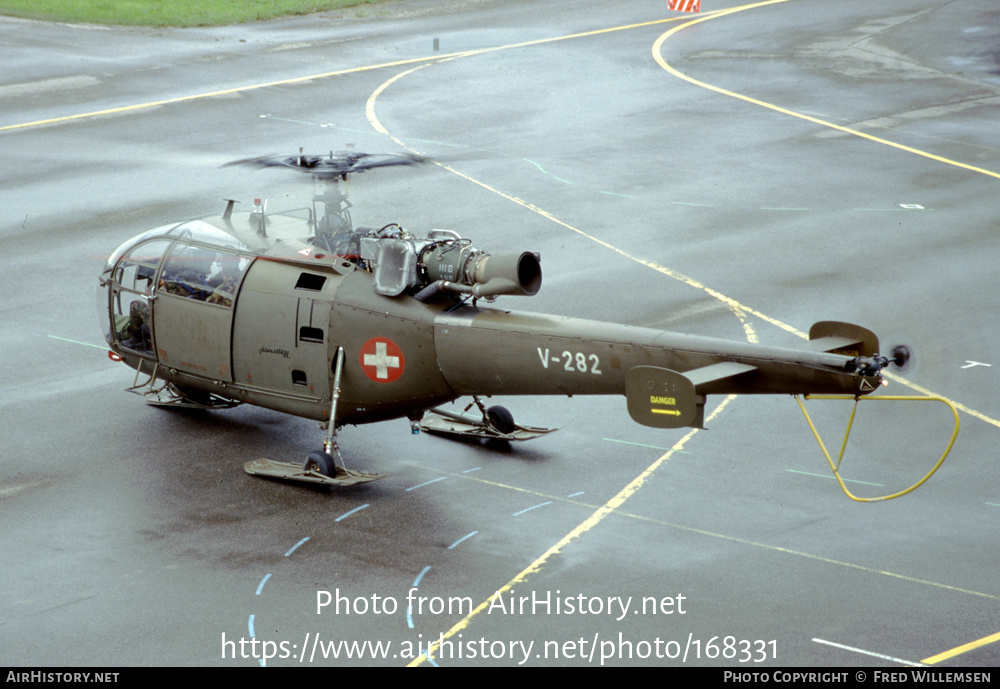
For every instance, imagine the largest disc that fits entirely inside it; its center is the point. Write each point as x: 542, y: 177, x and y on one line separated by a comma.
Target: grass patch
x: 168, y: 12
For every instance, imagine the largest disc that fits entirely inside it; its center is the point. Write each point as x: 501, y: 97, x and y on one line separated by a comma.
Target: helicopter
x: 301, y: 312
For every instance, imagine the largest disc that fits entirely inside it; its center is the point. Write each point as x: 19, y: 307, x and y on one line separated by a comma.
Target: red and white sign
x: 684, y: 5
x: 382, y: 360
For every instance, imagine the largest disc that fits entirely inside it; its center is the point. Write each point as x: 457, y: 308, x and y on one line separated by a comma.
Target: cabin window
x: 311, y: 282
x: 307, y: 334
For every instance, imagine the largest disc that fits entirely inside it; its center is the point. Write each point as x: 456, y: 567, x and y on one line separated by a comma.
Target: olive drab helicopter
x: 301, y: 312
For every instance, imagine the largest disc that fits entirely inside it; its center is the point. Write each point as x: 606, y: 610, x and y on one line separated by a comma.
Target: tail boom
x: 531, y: 354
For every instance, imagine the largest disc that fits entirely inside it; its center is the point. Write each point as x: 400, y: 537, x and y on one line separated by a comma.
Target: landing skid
x: 496, y: 423
x: 324, y: 466
x: 287, y: 471
x: 169, y: 395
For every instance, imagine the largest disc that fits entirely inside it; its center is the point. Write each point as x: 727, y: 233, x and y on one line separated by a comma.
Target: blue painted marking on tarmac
x: 652, y: 447
x: 465, y: 537
x: 536, y: 165
x: 611, y: 193
x: 426, y: 483
x: 409, y: 608
x: 260, y: 587
x: 416, y: 582
x: 85, y: 344
x: 295, y: 547
x: 534, y: 507
x: 846, y: 480
x: 345, y: 515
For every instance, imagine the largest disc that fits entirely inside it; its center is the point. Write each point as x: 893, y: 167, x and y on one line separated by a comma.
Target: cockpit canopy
x: 192, y: 259
x: 150, y: 247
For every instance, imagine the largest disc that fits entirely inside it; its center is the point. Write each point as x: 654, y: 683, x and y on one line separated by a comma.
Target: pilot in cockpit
x: 224, y: 280
x: 136, y: 333
x: 187, y: 276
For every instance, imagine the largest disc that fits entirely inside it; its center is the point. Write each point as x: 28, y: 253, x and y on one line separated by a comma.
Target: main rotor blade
x: 339, y: 164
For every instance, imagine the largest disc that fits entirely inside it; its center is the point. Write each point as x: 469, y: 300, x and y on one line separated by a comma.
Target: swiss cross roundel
x: 382, y: 360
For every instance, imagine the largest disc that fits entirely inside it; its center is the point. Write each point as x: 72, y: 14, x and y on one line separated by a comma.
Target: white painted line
x: 47, y: 85
x: 869, y: 653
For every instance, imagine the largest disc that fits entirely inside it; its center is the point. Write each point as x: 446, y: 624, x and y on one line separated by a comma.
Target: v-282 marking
x: 574, y: 362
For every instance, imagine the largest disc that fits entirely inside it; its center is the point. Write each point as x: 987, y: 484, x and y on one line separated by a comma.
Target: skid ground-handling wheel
x: 321, y: 462
x: 492, y: 423
x: 500, y: 419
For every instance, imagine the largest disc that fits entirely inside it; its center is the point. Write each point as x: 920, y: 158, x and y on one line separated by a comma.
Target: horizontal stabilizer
x: 720, y: 371
x: 848, y: 339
